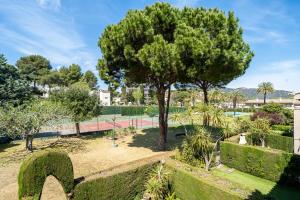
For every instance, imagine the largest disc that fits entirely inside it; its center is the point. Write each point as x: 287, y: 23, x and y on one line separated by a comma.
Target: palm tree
x: 265, y: 88
x: 217, y: 117
x: 236, y: 97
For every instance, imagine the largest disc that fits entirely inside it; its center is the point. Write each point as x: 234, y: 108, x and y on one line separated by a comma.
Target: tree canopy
x: 161, y: 45
x: 13, y: 89
x: 265, y: 88
x: 90, y: 78
x: 33, y: 67
x: 80, y: 104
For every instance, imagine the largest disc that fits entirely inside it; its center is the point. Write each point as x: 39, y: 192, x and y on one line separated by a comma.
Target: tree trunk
x: 206, y: 162
x: 29, y: 139
x: 262, y: 142
x: 205, y: 93
x: 167, y: 114
x: 77, y: 126
x: 161, y: 107
x: 265, y: 98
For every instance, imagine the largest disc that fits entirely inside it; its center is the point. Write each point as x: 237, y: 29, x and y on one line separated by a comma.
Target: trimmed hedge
x: 35, y: 169
x: 276, y: 166
x: 274, y: 141
x: 122, y: 186
x: 187, y: 186
x: 134, y: 110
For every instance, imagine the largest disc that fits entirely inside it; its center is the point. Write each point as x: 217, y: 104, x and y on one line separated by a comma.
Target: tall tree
x: 211, y: 47
x: 81, y: 105
x: 13, y: 89
x: 74, y: 74
x: 33, y: 68
x: 141, y: 50
x: 52, y: 79
x: 137, y: 95
x: 90, y: 78
x: 265, y: 88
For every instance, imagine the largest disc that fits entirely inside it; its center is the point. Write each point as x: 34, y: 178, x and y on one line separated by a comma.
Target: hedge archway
x: 38, y: 167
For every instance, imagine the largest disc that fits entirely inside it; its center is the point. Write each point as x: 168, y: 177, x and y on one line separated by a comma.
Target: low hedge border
x: 191, y: 183
x: 274, y: 141
x: 277, y: 166
x: 122, y: 186
x: 35, y: 169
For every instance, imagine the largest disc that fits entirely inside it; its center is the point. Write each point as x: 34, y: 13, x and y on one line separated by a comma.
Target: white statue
x: 243, y: 139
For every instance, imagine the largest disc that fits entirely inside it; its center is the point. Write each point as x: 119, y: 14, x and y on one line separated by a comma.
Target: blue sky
x: 67, y: 31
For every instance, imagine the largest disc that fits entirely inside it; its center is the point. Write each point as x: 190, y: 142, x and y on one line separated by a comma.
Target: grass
x: 263, y: 186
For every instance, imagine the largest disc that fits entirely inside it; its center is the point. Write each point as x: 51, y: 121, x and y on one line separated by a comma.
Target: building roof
x: 261, y: 101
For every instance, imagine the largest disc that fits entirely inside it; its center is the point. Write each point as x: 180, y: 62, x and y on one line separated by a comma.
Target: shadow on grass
x: 150, y: 138
x: 3, y: 147
x: 288, y: 187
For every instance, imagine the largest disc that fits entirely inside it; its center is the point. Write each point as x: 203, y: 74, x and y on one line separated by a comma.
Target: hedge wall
x: 272, y: 165
x: 133, y: 110
x: 36, y: 168
x: 123, y: 186
x: 274, y: 141
x: 189, y: 187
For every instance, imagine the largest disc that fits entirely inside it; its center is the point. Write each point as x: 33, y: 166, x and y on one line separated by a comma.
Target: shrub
x: 273, y: 141
x: 123, y: 186
x: 272, y: 165
x: 274, y: 118
x: 188, y: 186
x: 272, y: 108
x: 286, y: 130
x: 243, y: 125
x: 38, y: 166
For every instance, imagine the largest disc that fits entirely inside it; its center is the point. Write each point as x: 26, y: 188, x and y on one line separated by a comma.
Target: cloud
x: 31, y: 30
x: 283, y: 74
x: 49, y: 4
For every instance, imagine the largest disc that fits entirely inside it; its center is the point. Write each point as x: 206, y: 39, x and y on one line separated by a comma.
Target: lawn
x: 263, y: 186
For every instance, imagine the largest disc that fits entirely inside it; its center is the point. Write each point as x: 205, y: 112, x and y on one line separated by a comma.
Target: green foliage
x: 13, y: 88
x: 265, y: 88
x: 157, y: 184
x: 38, y: 166
x: 151, y: 111
x: 260, y: 127
x: 90, y: 78
x: 243, y: 124
x: 273, y: 141
x: 273, y: 108
x: 287, y: 130
x: 78, y: 101
x: 261, y: 162
x: 137, y: 95
x: 133, y: 110
x: 33, y: 67
x: 123, y: 186
x: 188, y: 186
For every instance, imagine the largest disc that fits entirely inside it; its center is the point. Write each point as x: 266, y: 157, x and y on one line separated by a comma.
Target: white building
x: 297, y: 123
x: 104, y: 96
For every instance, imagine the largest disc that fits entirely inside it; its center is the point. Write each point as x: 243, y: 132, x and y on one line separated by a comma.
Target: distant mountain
x: 250, y: 93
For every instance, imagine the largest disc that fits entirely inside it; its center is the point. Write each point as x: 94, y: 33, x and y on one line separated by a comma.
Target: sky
x: 67, y: 31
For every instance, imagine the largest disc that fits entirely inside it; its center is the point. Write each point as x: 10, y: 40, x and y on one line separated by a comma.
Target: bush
x: 188, y: 186
x: 274, y: 118
x: 111, y: 110
x: 276, y: 166
x: 286, y: 130
x: 38, y: 166
x: 273, y: 141
x: 123, y: 186
x: 273, y: 108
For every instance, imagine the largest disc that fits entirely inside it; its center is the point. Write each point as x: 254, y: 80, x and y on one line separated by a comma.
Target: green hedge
x: 38, y: 166
x: 265, y: 163
x: 189, y: 187
x: 274, y: 141
x: 123, y: 186
x: 134, y: 110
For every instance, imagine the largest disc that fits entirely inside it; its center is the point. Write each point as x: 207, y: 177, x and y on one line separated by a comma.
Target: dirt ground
x: 88, y: 154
